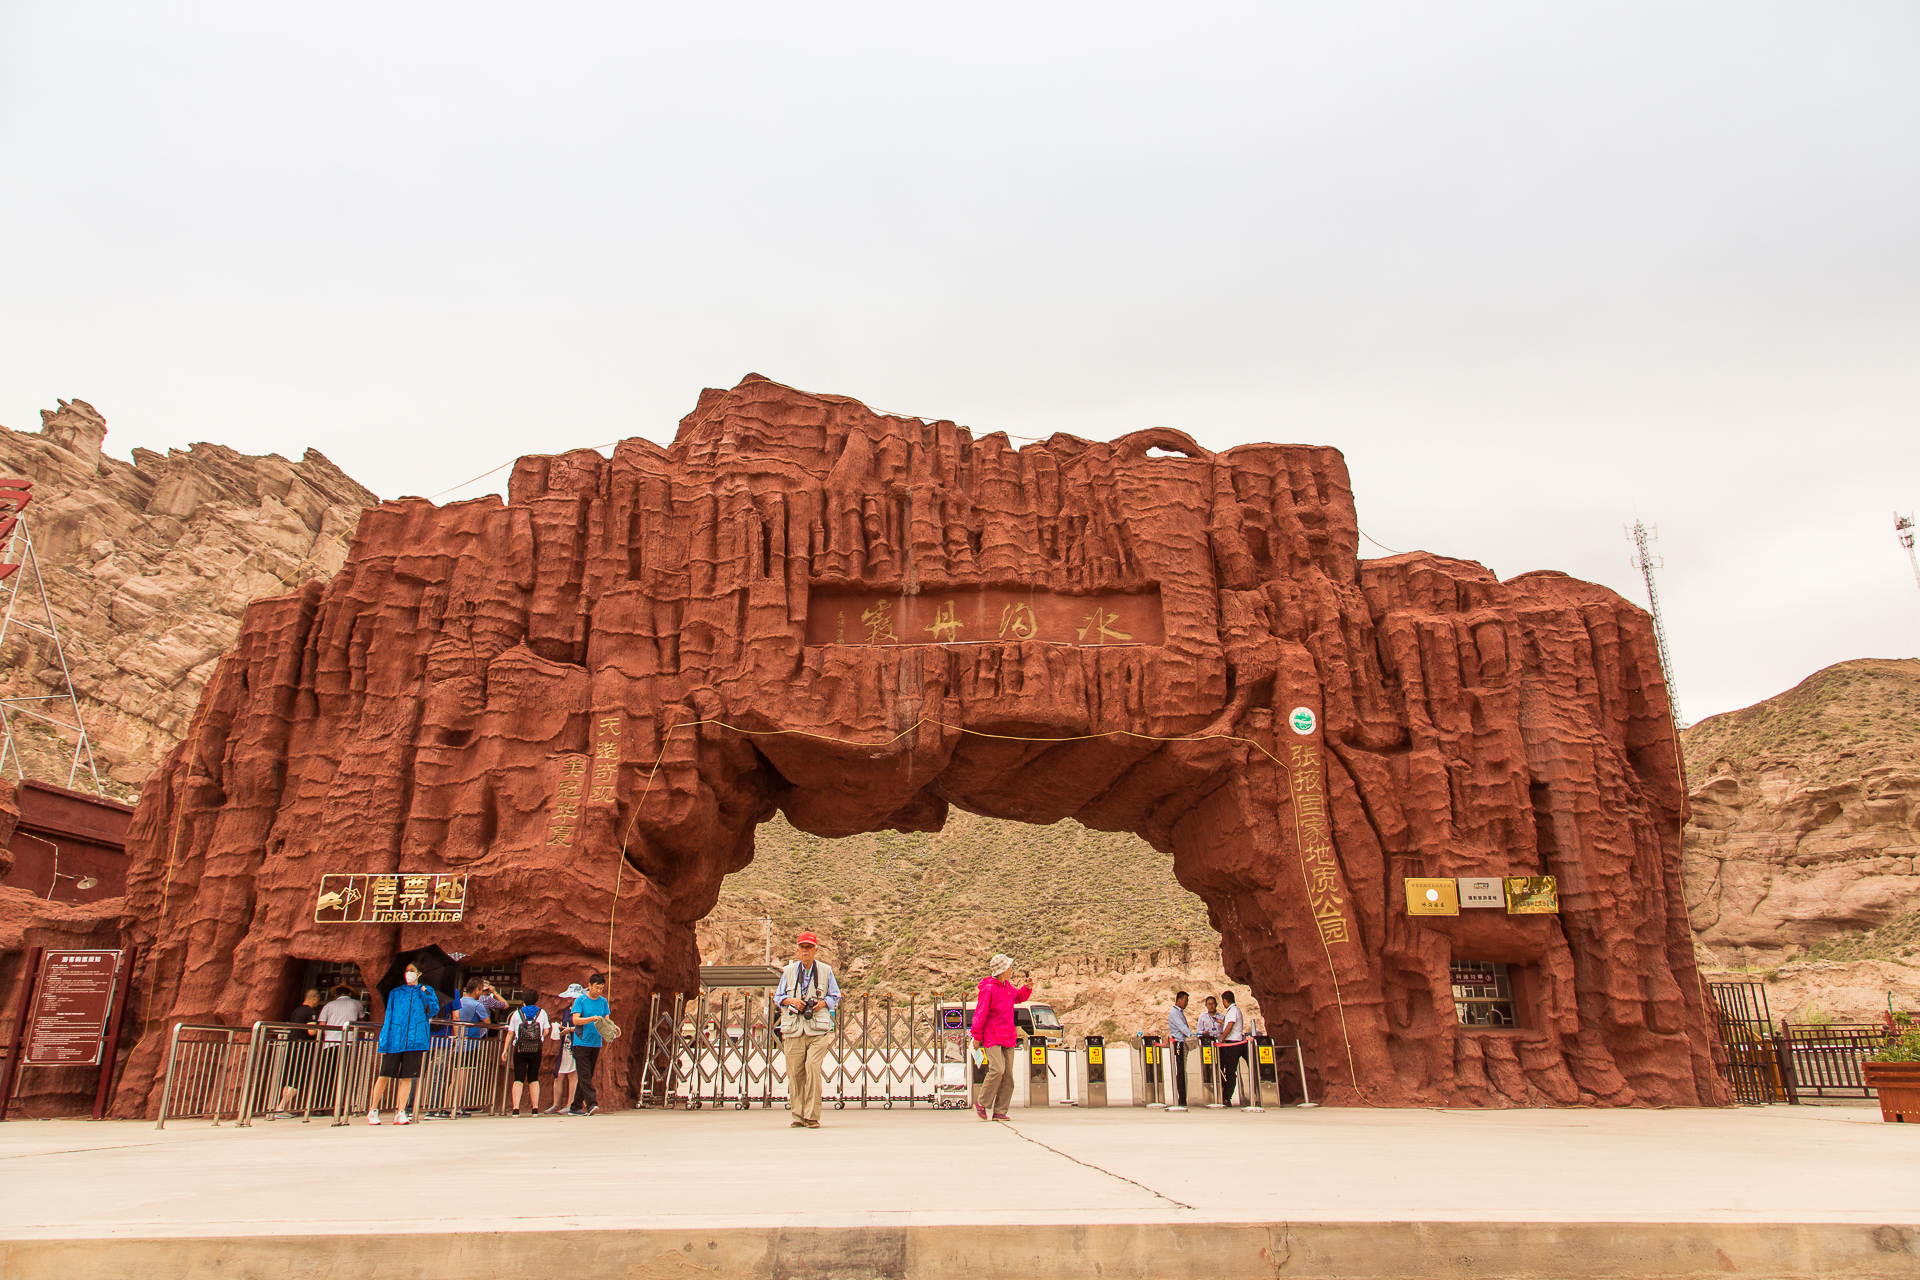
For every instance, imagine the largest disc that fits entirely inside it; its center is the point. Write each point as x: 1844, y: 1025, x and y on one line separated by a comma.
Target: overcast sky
x: 1536, y: 268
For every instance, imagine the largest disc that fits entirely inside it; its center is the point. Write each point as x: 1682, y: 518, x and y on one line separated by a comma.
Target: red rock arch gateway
x: 861, y: 619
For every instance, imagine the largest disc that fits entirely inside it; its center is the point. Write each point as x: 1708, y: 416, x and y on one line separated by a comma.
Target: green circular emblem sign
x: 1301, y: 720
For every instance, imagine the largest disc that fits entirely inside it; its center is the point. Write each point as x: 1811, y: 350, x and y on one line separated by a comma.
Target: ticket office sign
x: 391, y: 899
x: 72, y: 1001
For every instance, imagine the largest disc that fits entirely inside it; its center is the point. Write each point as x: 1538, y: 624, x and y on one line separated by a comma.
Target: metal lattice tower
x: 1903, y: 529
x: 1646, y: 562
x: 20, y: 564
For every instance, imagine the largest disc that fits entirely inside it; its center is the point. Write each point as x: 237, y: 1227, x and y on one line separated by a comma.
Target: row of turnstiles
x: 1141, y: 1074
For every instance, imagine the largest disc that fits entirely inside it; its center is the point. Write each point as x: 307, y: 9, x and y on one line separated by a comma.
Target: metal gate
x: 1743, y: 1045
x: 724, y: 1049
x: 1824, y: 1061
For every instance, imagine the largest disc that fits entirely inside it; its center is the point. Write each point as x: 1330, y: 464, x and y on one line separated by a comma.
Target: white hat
x: 1000, y: 964
x: 573, y: 992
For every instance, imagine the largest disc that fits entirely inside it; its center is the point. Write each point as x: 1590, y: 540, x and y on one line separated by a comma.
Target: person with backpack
x: 527, y: 1032
x: 807, y: 996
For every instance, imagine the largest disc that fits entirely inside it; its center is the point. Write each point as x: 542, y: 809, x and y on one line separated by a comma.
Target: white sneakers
x: 373, y: 1117
x: 401, y: 1117
x: 1176, y: 1108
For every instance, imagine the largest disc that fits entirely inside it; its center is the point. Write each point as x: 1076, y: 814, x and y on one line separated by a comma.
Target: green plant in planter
x: 1900, y: 1048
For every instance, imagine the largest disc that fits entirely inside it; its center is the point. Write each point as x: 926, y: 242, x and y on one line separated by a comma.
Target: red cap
x: 806, y: 938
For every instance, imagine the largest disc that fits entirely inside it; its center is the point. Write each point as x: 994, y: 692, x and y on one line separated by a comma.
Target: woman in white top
x: 563, y: 1032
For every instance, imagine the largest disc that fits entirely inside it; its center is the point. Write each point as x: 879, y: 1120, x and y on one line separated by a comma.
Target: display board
x: 71, y: 1004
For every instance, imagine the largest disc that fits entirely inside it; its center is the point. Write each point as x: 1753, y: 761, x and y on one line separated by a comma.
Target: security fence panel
x: 1744, y: 1050
x: 206, y: 1074
x: 1826, y: 1060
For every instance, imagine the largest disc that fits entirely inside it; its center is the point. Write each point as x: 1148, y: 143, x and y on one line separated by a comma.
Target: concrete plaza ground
x: 1062, y: 1192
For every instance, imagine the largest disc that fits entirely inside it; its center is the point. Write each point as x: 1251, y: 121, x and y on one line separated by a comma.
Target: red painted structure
x: 63, y: 840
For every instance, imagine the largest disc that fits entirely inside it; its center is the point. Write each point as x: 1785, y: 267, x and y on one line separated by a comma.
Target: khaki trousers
x: 806, y: 1060
x: 996, y: 1091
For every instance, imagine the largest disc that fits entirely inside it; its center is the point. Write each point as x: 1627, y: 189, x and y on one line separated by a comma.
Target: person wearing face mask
x: 404, y: 1033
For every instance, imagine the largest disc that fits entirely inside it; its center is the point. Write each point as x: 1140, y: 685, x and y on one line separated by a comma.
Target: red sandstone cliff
x: 684, y: 616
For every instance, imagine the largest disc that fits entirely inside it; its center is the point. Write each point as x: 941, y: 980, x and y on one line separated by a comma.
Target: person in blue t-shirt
x: 588, y: 1012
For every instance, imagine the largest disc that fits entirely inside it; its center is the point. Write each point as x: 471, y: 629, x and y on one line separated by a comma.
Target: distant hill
x: 1803, y: 842
x: 1837, y: 721
x: 1096, y: 914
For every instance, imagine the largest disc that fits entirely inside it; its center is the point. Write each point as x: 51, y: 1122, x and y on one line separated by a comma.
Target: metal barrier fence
x: 206, y: 1073
x: 1743, y: 1046
x: 247, y: 1072
x: 1824, y: 1061
x: 725, y: 1050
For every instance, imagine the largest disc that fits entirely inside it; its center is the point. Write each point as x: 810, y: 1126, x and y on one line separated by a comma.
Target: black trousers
x: 1231, y: 1056
x: 583, y: 1062
x: 1180, y: 1072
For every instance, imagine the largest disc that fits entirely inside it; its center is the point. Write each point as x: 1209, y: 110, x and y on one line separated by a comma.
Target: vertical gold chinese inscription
x: 606, y: 757
x: 563, y: 817
x: 1017, y: 620
x: 1316, y: 843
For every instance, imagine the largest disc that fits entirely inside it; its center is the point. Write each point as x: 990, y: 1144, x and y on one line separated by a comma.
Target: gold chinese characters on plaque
x: 434, y: 898
x: 986, y: 615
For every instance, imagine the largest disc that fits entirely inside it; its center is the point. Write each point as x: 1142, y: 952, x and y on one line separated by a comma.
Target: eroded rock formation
x: 149, y: 566
x: 860, y: 620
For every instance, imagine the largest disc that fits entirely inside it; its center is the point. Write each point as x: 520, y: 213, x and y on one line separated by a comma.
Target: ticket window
x: 1483, y: 993
x: 505, y: 977
x: 328, y: 974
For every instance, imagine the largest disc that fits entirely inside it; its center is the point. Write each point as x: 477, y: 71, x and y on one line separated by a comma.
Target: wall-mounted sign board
x: 1482, y: 891
x: 71, y: 1004
x: 1433, y: 897
x: 1532, y: 896
x: 391, y: 899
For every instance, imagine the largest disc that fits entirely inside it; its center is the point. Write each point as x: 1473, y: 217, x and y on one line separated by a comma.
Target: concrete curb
x: 1165, y: 1251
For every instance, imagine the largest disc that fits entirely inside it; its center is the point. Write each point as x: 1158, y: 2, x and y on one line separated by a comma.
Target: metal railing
x: 206, y: 1073
x: 1824, y: 1061
x: 241, y: 1073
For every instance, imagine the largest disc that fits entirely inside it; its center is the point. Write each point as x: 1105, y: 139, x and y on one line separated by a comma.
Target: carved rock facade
x: 806, y: 606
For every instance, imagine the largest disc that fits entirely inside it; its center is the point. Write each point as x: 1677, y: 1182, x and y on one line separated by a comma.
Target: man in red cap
x: 806, y: 997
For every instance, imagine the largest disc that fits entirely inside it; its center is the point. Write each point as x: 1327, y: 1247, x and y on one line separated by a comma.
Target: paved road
x: 716, y: 1169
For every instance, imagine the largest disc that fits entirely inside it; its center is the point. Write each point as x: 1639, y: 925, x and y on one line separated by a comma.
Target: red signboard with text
x: 71, y: 1004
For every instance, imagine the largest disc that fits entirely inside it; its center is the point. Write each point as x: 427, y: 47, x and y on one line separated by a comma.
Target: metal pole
x: 1299, y: 1055
x: 166, y: 1087
x: 110, y: 1050
x: 30, y: 975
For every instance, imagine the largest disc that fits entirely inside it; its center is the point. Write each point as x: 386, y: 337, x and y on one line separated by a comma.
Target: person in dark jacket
x: 404, y: 1035
x: 994, y: 1033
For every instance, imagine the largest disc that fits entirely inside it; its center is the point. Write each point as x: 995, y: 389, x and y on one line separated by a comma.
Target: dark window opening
x: 1482, y: 993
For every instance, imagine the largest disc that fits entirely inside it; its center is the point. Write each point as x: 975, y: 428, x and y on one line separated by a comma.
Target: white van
x: 1033, y: 1021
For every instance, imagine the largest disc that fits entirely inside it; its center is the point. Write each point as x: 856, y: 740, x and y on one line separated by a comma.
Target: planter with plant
x: 1894, y: 1074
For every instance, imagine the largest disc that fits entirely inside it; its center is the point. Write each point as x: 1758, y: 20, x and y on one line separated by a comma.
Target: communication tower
x: 1903, y: 529
x: 35, y: 614
x: 1646, y: 562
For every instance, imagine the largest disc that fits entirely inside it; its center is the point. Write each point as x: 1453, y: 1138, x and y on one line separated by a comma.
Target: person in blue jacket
x: 403, y: 1044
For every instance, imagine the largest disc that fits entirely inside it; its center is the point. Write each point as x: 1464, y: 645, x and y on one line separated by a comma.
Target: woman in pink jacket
x: 993, y: 1032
